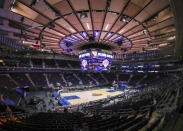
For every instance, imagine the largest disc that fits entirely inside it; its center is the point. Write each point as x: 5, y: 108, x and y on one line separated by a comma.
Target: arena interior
x: 91, y: 65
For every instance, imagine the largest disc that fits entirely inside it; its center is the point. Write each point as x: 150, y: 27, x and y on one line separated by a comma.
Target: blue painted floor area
x: 9, y: 102
x: 111, y: 90
x: 64, y: 102
x: 123, y: 90
x: 55, y: 94
x: 71, y: 97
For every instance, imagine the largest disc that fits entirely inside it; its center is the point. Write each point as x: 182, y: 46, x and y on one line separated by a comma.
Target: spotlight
x: 145, y: 32
x: 83, y: 15
x: 51, y: 26
x: 148, y: 42
x: 143, y: 49
x: 124, y: 19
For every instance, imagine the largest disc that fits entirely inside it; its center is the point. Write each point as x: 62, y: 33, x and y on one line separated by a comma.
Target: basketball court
x: 73, y: 98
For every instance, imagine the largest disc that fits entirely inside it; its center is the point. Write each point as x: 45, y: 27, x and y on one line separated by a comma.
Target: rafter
x: 131, y: 18
x: 76, y: 15
x: 117, y: 18
x: 105, y: 14
x: 91, y: 17
x: 50, y: 20
x: 61, y: 16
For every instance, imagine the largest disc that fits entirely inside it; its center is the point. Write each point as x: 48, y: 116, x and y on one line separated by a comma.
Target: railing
x: 34, y: 69
x: 17, y: 115
x: 11, y: 43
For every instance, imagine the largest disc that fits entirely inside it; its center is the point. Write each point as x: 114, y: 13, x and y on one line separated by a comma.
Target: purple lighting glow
x: 84, y: 34
x: 118, y: 38
x: 97, y: 33
x: 126, y: 41
x: 74, y: 37
x: 109, y: 34
x: 67, y: 40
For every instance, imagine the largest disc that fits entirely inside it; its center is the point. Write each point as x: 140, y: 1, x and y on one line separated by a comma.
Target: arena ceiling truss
x: 65, y: 25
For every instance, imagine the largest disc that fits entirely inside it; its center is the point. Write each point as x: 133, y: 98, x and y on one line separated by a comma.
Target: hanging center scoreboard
x: 95, y: 59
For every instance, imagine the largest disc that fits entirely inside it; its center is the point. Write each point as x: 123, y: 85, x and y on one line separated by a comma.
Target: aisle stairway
x: 14, y: 81
x: 138, y: 82
x: 77, y: 77
x: 97, y: 83
x: 47, y: 81
x: 64, y: 80
x: 106, y: 80
x: 30, y: 80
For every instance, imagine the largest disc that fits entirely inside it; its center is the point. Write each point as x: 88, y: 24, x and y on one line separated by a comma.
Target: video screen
x: 95, y: 59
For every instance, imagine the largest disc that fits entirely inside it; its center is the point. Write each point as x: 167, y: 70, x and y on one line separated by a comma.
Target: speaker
x: 119, y: 43
x: 68, y: 44
x: 91, y: 38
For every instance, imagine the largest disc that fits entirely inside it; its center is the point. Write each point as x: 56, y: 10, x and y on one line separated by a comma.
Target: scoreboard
x: 95, y: 59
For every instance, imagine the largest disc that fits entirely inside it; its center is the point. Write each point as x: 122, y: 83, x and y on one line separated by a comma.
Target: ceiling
x: 66, y: 25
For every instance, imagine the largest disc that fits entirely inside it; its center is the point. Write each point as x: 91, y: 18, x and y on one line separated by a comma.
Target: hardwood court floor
x: 86, y: 96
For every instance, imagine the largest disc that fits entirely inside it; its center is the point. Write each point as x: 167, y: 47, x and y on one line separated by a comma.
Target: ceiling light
x: 145, y: 32
x: 83, y: 15
x: 155, y: 48
x: 88, y: 26
x: 74, y: 37
x: 109, y: 34
x: 120, y: 32
x: 13, y: 5
x: 163, y: 44
x: 84, y: 34
x: 72, y: 30
x: 106, y: 26
x: 171, y: 38
x: 118, y: 38
x: 59, y: 34
x: 124, y: 19
x: 97, y: 33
